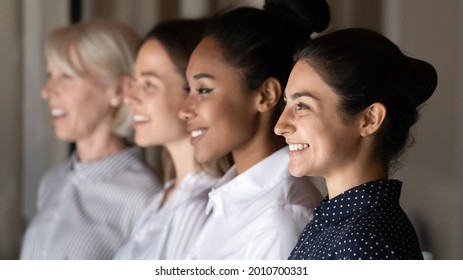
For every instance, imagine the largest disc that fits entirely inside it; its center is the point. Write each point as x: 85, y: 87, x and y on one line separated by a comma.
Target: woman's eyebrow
x: 203, y: 75
x: 150, y: 74
x: 297, y: 95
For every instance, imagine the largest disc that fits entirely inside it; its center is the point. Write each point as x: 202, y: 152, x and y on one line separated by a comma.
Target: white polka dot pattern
x: 365, y: 222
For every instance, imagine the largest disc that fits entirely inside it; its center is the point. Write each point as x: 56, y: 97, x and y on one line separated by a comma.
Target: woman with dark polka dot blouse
x: 352, y: 97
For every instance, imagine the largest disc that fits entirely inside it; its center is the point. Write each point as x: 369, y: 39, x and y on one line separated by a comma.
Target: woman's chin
x: 204, y: 157
x: 143, y: 141
x: 63, y: 137
x: 296, y: 171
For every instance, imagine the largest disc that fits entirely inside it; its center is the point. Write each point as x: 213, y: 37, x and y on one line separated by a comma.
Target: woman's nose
x: 131, y: 93
x: 47, y: 90
x: 284, y: 126
x: 187, y: 111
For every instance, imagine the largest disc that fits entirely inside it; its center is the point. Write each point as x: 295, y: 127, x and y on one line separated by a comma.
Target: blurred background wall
x: 431, y: 30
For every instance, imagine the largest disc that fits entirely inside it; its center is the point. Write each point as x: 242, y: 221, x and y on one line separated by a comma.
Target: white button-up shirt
x: 258, y: 214
x: 87, y: 210
x: 167, y: 232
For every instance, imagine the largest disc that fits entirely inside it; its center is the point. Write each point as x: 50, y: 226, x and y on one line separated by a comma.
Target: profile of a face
x: 319, y: 140
x: 219, y: 111
x: 156, y: 97
x: 80, y: 105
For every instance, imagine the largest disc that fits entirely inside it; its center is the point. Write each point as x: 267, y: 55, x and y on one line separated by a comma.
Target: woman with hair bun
x: 352, y: 98
x: 236, y: 75
x: 176, y: 215
x: 86, y: 207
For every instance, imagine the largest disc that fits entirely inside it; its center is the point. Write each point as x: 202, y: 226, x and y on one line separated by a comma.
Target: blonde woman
x: 87, y: 205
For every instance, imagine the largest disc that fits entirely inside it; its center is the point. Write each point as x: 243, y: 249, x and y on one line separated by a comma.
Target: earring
x: 114, y: 102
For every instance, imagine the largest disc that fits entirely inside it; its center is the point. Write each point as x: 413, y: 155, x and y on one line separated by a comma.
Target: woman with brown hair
x: 352, y: 98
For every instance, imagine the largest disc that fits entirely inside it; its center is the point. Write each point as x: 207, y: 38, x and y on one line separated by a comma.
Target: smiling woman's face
x: 320, y: 142
x: 219, y: 111
x: 156, y: 97
x: 80, y: 106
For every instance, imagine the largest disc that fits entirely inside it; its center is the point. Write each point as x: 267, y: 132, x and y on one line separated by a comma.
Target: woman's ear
x: 372, y: 118
x: 269, y: 95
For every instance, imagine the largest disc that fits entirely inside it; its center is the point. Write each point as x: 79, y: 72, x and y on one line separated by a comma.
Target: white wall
x: 10, y: 127
x: 140, y: 14
x: 40, y: 149
x: 432, y: 170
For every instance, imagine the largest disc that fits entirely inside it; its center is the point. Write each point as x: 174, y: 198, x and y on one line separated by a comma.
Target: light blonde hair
x: 107, y: 45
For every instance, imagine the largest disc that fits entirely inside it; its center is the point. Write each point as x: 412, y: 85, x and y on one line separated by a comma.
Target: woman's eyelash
x: 149, y: 85
x: 204, y: 90
x: 301, y: 106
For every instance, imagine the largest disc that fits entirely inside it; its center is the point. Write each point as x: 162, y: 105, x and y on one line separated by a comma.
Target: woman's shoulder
x: 52, y: 182
x: 134, y: 173
x: 135, y: 180
x: 56, y: 175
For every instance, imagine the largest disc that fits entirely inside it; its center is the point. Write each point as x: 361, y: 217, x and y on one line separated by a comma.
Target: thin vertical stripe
x: 87, y: 210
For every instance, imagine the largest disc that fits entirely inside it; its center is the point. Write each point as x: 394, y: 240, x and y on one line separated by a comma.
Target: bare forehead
x: 208, y: 57
x: 210, y: 50
x: 301, y: 73
x: 304, y: 78
x: 152, y: 49
x: 154, y: 57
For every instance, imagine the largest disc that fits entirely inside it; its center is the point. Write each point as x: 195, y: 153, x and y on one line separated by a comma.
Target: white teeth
x: 140, y: 118
x: 57, y: 112
x: 298, y: 147
x: 196, y: 133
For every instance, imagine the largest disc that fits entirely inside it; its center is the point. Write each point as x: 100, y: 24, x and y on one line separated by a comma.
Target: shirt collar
x: 197, y: 183
x: 108, y: 167
x: 232, y: 193
x: 357, y: 200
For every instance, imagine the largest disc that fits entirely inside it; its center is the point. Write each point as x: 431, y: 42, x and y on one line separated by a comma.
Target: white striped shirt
x: 87, y: 210
x: 168, y: 232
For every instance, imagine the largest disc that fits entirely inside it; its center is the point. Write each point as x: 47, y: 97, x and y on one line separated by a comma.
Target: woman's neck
x: 259, y: 148
x: 182, y: 155
x: 354, y: 175
x: 99, y: 148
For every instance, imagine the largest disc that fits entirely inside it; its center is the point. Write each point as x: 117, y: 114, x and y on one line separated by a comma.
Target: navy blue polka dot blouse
x: 365, y: 222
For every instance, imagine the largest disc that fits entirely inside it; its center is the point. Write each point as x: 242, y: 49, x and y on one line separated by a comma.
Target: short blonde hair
x: 107, y: 45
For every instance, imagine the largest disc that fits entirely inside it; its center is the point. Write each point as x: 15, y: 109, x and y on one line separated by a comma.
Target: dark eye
x: 204, y: 90
x: 148, y: 85
x: 301, y: 106
x: 186, y: 89
x: 66, y: 76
